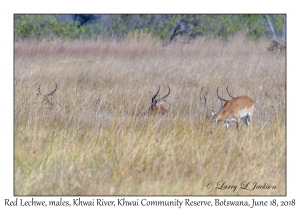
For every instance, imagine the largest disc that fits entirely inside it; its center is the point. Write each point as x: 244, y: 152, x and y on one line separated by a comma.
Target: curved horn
x: 220, y: 106
x: 219, y: 96
x: 156, y: 93
x: 213, y: 112
x: 165, y: 95
x: 229, y: 93
x: 51, y: 93
x: 39, y: 89
x: 206, y: 106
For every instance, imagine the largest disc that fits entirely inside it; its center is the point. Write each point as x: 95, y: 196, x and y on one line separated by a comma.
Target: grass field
x: 97, y: 139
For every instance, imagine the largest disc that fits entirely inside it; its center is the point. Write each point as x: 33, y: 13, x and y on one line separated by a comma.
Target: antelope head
x: 156, y: 104
x: 48, y: 97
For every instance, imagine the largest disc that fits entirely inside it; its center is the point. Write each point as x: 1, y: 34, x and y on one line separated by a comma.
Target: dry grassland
x: 97, y: 139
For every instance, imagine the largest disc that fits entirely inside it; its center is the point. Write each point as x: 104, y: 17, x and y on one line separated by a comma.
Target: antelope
x: 48, y: 97
x: 234, y: 110
x: 156, y: 104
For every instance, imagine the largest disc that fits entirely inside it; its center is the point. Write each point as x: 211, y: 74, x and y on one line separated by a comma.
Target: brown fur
x: 48, y: 97
x: 159, y: 109
x: 235, y: 108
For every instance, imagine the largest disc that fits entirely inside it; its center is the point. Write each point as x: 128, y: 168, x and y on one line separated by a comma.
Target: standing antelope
x: 156, y: 105
x: 234, y: 110
x: 48, y: 97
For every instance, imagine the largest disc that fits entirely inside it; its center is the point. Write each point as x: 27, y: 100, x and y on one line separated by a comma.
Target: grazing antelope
x: 156, y: 104
x: 234, y: 110
x: 48, y: 97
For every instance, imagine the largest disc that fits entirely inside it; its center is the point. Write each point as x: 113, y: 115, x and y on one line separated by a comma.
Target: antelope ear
x: 213, y: 113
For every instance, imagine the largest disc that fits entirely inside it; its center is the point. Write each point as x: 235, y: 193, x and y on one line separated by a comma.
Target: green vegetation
x: 45, y: 26
x: 97, y: 139
x: 164, y: 27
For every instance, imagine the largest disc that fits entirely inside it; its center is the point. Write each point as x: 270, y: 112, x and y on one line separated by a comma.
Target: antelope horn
x: 219, y: 96
x: 229, y: 93
x: 165, y: 95
x: 206, y: 106
x: 220, y: 106
x: 51, y: 93
x: 39, y: 89
x: 156, y: 93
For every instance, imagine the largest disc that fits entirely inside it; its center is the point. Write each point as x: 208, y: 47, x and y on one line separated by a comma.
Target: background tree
x: 45, y: 26
x: 168, y: 27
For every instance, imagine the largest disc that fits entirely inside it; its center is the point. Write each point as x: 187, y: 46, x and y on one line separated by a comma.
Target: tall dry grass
x: 96, y: 138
